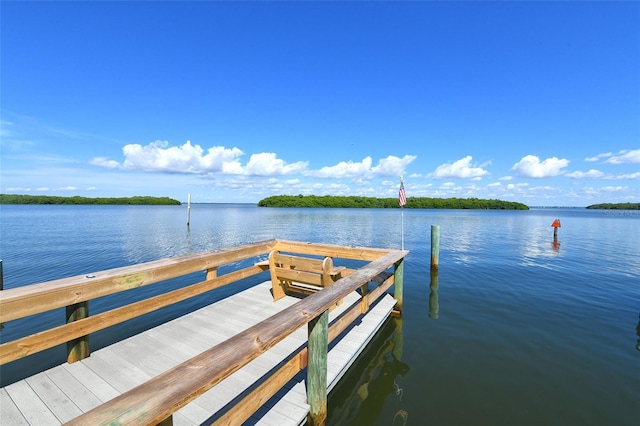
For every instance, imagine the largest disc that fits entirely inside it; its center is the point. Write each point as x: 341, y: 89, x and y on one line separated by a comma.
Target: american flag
x: 402, y: 196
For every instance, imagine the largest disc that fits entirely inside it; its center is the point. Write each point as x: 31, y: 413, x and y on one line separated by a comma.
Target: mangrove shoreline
x: 331, y: 201
x: 77, y: 200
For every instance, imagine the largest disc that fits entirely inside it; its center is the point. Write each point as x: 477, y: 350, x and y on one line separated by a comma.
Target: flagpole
x: 402, y: 200
x: 402, y: 224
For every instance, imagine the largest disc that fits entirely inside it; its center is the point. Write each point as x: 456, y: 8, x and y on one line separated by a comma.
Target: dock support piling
x: 434, y: 306
x: 318, y: 346
x: 435, y: 247
x: 398, y: 277
x: 78, y: 348
x: 1, y: 286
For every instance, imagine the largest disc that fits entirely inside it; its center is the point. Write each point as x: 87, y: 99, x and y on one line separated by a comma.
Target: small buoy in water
x: 556, y: 225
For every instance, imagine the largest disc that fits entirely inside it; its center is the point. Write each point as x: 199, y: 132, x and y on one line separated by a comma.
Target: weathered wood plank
x: 345, y: 351
x: 23, y: 301
x: 19, y: 348
x: 99, y: 387
x: 9, y: 413
x: 167, y: 380
x: 53, y: 397
x: 73, y: 388
x: 356, y: 253
x: 30, y: 405
x: 177, y: 387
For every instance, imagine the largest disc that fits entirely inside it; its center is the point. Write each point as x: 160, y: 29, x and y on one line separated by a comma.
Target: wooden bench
x: 297, y: 274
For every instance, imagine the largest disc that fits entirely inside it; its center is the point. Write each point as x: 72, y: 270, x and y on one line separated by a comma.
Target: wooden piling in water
x: 434, y: 306
x: 318, y: 345
x: 398, y: 279
x: 435, y: 247
x: 1, y: 286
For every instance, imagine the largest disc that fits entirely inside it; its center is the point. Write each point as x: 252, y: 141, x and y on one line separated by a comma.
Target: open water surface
x: 513, y: 330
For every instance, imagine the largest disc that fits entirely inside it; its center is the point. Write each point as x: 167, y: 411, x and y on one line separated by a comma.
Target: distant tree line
x: 616, y: 206
x: 48, y: 199
x: 332, y: 201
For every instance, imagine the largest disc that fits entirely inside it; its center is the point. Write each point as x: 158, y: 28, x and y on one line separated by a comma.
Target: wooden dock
x: 227, y: 363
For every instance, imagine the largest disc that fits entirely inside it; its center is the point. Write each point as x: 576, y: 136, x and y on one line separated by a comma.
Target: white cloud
x: 625, y: 156
x: 267, y: 164
x: 593, y: 173
x: 68, y: 188
x: 635, y: 175
x: 344, y: 169
x: 599, y: 156
x: 158, y: 156
x: 542, y: 188
x: 389, y: 166
x: 495, y: 184
x: 392, y: 165
x: 621, y: 157
x: 517, y: 185
x: 613, y: 188
x: 4, y: 131
x: 460, y: 169
x: 530, y: 166
x: 104, y: 162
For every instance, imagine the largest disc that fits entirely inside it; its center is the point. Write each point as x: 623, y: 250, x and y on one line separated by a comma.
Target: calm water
x: 512, y: 331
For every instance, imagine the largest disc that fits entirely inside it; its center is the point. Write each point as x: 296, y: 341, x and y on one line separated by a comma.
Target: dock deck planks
x: 68, y: 390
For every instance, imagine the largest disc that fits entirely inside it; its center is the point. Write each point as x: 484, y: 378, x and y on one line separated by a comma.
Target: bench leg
x: 278, y: 289
x: 166, y: 422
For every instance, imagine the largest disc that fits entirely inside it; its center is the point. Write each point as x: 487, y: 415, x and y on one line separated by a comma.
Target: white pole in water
x: 189, y: 209
x: 402, y: 200
x: 402, y: 225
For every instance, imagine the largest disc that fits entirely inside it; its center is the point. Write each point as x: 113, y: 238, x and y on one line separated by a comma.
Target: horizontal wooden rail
x: 19, y: 348
x: 330, y: 250
x: 160, y: 397
x: 23, y: 301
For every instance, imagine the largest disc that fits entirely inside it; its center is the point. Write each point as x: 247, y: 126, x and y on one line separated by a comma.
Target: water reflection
x: 638, y: 334
x: 434, y: 305
x: 378, y: 371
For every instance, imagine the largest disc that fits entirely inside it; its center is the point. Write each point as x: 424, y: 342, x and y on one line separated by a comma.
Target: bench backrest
x: 286, y: 269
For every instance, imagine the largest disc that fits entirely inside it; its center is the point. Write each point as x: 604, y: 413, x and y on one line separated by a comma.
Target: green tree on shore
x: 330, y: 201
x: 49, y: 199
x: 615, y: 206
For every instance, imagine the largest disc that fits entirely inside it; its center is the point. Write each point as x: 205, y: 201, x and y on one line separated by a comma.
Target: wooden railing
x: 157, y: 399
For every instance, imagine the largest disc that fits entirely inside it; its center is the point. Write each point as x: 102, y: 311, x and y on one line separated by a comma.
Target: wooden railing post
x: 317, y: 369
x: 398, y: 274
x: 78, y: 348
x: 212, y: 273
x: 1, y: 287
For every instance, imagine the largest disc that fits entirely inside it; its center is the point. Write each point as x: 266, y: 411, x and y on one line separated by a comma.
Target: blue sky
x: 537, y: 102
